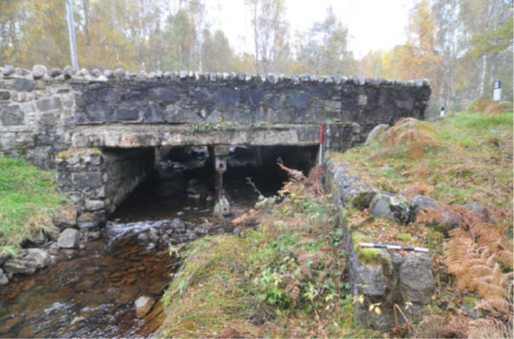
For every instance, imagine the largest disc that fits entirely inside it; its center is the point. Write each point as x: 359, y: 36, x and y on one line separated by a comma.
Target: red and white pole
x: 320, y: 151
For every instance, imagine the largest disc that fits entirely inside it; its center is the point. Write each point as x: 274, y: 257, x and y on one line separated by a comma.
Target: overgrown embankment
x: 284, y: 278
x: 463, y: 166
x: 288, y: 278
x: 28, y: 198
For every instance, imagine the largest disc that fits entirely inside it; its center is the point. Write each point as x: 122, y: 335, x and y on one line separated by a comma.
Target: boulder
x: 480, y: 210
x: 68, y: 72
x: 143, y: 305
x: 421, y: 202
x: 442, y: 216
x: 359, y: 196
x: 394, y: 208
x: 30, y: 260
x: 3, y: 278
x: 377, y: 134
x: 8, y: 70
x: 55, y: 72
x: 69, y: 238
x: 39, y: 71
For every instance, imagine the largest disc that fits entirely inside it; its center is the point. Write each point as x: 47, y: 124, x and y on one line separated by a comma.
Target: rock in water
x: 30, y: 260
x: 3, y: 278
x: 143, y: 306
x: 69, y: 238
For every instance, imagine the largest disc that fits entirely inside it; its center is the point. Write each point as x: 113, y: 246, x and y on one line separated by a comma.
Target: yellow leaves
x: 375, y: 307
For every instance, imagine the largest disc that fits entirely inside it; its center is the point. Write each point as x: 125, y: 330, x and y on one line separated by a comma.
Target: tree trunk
x: 482, y: 74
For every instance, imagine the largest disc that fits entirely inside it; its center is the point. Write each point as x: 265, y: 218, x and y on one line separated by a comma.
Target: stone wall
x: 36, y: 118
x: 98, y: 182
x: 249, y: 99
x: 395, y: 279
x: 41, y: 109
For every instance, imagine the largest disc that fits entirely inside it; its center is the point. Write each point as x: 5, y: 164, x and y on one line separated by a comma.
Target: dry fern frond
x: 442, y: 327
x: 293, y: 290
x: 418, y: 188
x: 489, y: 328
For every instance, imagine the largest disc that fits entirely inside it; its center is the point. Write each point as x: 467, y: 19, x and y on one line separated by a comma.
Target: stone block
x: 163, y: 94
x: 24, y: 85
x: 5, y: 95
x: 11, y: 115
x: 48, y: 104
x: 69, y: 238
x: 127, y: 112
x: 94, y: 205
x: 100, y: 112
x: 84, y: 180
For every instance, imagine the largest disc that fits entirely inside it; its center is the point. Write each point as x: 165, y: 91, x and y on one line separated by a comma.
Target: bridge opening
x: 185, y: 181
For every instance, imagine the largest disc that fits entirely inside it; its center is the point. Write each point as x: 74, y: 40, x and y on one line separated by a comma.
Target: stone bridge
x: 107, y: 124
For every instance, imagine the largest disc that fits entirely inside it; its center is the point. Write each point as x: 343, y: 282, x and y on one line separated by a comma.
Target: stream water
x: 90, y: 292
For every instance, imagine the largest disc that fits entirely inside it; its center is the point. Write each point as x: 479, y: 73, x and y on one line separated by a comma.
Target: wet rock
x: 143, y: 306
x: 94, y: 235
x: 394, y: 208
x: 88, y: 220
x: 3, y: 278
x: 30, y: 260
x: 377, y: 134
x: 142, y: 238
x: 3, y: 258
x: 69, y: 238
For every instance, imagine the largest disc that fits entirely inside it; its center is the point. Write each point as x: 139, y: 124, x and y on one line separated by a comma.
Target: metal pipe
x: 71, y: 30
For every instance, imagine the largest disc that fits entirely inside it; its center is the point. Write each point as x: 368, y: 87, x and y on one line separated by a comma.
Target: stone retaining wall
x: 98, y: 182
x: 397, y: 280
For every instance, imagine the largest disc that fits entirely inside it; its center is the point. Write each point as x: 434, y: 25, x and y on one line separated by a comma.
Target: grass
x: 281, y: 279
x: 28, y: 196
x: 472, y: 161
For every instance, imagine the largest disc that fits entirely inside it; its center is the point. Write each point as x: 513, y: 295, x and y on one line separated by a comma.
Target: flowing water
x: 90, y: 292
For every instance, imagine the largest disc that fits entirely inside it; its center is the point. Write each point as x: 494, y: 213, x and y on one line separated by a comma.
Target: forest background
x: 461, y: 46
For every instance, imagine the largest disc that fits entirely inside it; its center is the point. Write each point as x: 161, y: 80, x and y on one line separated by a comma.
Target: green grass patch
x: 28, y: 196
x: 471, y: 160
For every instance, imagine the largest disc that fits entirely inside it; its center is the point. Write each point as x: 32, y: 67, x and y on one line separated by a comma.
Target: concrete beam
x: 135, y: 136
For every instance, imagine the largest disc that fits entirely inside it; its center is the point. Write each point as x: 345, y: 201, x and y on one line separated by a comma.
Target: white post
x: 71, y: 30
x: 497, y: 94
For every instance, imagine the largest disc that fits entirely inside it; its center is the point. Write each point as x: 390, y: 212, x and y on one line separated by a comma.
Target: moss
x: 469, y: 301
x: 371, y: 256
x: 405, y: 237
x: 78, y: 152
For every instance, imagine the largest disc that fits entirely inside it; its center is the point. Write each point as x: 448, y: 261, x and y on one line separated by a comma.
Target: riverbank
x: 285, y: 275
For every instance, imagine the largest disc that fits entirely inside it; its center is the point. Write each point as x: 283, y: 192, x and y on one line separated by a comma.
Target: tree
x: 324, y: 48
x: 270, y: 35
x: 216, y: 52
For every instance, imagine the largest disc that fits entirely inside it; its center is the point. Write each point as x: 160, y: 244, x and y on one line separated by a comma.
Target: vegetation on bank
x: 282, y: 279
x: 463, y: 158
x: 28, y: 197
x: 287, y: 277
